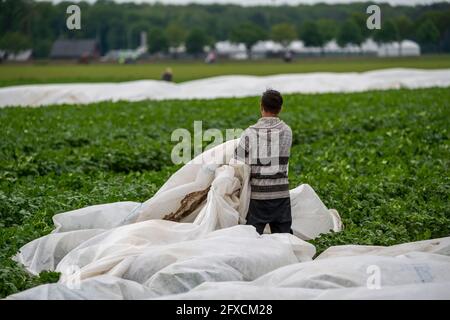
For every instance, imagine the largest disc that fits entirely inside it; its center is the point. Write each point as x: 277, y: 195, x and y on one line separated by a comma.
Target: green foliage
x: 311, y: 35
x: 283, y: 33
x: 427, y: 34
x: 379, y: 158
x: 195, y: 42
x: 360, y: 19
x: 14, y: 42
x: 387, y: 33
x: 327, y: 29
x: 157, y: 41
x: 41, y: 48
x: 404, y: 27
x: 349, y: 33
x: 247, y: 33
x: 175, y: 35
x: 440, y: 18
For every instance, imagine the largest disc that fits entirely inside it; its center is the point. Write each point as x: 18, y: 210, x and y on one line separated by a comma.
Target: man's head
x: 271, y: 102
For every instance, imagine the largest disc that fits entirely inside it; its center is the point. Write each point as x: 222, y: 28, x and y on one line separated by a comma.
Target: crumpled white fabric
x: 417, y: 270
x: 126, y: 250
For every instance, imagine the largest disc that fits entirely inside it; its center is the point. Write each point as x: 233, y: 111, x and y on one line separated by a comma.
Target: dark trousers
x: 275, y: 212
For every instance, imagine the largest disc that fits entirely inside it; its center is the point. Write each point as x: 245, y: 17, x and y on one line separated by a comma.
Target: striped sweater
x: 265, y: 146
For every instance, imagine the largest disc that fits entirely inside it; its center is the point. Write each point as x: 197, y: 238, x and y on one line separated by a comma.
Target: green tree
x: 327, y: 29
x: 116, y: 36
x: 133, y: 33
x: 360, y: 20
x: 427, y: 35
x: 440, y: 18
x: 310, y: 35
x: 349, y: 33
x: 387, y: 34
x: 157, y: 41
x: 283, y: 33
x: 404, y: 28
x: 15, y: 42
x: 41, y: 49
x: 248, y: 34
x: 176, y: 35
x: 196, y: 41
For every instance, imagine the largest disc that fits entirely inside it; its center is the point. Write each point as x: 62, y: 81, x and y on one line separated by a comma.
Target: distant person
x: 211, y: 57
x: 84, y: 58
x: 167, y: 75
x: 265, y: 147
x: 287, y: 56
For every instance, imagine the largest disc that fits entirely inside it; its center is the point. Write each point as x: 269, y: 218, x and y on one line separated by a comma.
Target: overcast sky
x: 275, y: 2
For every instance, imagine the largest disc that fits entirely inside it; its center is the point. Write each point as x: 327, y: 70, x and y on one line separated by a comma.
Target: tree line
x: 36, y: 25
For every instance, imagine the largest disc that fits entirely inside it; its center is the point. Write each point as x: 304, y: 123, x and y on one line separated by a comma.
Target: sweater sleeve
x: 241, y: 152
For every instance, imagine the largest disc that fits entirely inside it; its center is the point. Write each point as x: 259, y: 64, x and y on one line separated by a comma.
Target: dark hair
x: 272, y: 101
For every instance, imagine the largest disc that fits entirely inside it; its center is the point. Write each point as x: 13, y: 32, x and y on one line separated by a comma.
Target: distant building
x: 128, y: 55
x: 78, y: 49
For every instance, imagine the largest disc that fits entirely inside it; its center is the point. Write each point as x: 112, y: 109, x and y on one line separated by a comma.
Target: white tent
x: 227, y: 47
x: 368, y: 47
x: 297, y: 46
x: 393, y: 49
x: 266, y: 47
x: 232, y: 50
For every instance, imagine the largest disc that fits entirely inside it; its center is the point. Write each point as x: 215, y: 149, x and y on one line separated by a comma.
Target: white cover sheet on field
x: 126, y: 251
x: 222, y: 87
x: 128, y: 241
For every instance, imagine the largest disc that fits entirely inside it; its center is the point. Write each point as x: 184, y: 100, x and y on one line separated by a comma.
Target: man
x: 265, y: 146
x: 167, y: 75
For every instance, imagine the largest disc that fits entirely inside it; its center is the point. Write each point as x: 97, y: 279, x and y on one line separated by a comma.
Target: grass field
x: 184, y: 71
x: 380, y: 158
